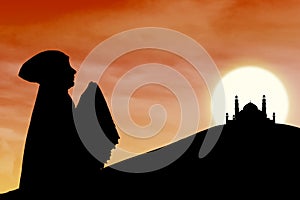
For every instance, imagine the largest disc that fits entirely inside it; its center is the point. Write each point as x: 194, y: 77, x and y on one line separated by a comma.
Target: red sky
x: 233, y: 32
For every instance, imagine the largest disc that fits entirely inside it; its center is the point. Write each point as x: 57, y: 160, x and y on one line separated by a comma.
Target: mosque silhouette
x: 250, y: 114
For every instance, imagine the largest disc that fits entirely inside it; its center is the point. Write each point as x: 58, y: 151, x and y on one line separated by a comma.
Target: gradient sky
x: 234, y: 33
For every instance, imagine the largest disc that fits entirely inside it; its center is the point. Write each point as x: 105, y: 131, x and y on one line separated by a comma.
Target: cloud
x: 9, y: 134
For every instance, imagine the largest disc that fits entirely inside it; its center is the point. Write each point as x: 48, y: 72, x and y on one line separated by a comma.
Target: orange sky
x: 233, y: 32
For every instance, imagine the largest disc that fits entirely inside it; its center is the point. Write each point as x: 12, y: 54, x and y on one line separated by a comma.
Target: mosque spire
x: 264, y: 106
x: 236, y: 109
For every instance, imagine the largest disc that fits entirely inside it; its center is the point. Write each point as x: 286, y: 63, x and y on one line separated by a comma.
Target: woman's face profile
x: 68, y: 74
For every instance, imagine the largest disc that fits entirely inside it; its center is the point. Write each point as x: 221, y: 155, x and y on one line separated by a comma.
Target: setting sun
x: 250, y: 83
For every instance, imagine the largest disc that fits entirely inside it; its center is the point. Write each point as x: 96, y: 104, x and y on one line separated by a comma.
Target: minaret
x: 273, y: 117
x: 227, y: 116
x: 236, y: 109
x: 264, y: 109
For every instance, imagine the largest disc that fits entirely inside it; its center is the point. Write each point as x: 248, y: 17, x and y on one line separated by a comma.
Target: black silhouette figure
x: 55, y: 161
x: 50, y: 156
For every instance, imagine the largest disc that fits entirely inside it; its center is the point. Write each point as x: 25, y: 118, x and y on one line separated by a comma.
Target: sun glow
x: 250, y: 83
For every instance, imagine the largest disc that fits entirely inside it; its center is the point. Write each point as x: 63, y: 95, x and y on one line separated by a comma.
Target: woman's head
x: 51, y: 67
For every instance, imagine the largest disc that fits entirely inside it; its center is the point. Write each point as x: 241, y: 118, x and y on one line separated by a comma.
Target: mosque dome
x: 250, y: 107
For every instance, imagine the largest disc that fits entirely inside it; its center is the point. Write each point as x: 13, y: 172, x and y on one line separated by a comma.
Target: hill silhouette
x: 244, y: 156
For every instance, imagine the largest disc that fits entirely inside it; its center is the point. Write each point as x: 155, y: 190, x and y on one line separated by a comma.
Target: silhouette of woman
x: 54, y: 157
x: 55, y: 161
